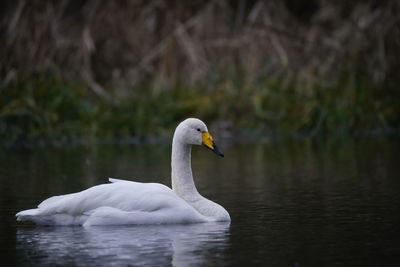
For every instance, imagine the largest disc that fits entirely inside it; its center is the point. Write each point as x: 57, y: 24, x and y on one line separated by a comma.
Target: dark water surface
x: 292, y: 204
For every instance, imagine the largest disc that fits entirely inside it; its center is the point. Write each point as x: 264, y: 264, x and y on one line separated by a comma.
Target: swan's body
x: 126, y: 202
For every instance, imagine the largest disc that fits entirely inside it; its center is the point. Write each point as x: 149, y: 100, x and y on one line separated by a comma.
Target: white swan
x: 126, y: 202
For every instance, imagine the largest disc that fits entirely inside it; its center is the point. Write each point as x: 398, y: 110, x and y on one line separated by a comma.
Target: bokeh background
x: 106, y: 70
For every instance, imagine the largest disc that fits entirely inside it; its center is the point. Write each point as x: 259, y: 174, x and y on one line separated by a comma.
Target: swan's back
x: 127, y: 196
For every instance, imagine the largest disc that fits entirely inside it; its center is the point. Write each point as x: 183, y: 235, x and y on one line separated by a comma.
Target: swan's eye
x: 198, y: 129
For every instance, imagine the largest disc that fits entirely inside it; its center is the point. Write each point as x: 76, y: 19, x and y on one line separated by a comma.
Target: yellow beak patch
x: 207, y: 140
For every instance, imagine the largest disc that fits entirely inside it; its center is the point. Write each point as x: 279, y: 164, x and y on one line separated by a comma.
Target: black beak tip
x: 217, y: 151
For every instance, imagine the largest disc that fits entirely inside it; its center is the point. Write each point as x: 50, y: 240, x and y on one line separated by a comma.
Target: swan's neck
x: 182, y: 177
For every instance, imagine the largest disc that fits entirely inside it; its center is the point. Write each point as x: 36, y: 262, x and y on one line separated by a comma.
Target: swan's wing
x: 122, y: 195
x: 122, y: 202
x: 114, y: 180
x: 53, y: 199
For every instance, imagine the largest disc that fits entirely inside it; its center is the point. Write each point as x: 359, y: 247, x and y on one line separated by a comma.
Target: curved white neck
x: 182, y: 177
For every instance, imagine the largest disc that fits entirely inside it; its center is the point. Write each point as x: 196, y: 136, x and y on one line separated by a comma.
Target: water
x: 140, y: 245
x: 292, y: 204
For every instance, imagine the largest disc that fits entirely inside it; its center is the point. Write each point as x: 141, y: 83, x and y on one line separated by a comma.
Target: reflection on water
x: 159, y: 245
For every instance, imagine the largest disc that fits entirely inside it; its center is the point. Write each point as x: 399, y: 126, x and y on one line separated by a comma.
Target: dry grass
x: 277, y: 63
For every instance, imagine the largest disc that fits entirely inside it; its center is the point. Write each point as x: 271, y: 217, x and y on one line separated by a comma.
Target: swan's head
x: 194, y: 132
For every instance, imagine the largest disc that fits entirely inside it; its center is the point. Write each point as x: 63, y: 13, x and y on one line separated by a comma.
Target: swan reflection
x: 179, y: 245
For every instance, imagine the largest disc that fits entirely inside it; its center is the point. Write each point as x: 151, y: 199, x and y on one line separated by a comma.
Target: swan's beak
x: 208, y: 142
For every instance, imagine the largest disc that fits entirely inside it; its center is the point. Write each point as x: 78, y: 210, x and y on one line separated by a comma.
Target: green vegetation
x: 91, y: 70
x: 49, y: 109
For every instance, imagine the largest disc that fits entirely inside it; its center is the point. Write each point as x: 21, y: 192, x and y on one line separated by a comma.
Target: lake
x: 292, y: 203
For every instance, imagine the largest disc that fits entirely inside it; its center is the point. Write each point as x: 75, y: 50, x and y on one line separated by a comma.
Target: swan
x: 123, y: 202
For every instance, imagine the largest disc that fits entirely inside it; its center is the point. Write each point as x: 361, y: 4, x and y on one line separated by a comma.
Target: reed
x: 113, y: 69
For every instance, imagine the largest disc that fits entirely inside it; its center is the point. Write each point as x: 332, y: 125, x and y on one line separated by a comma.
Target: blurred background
x: 92, y: 70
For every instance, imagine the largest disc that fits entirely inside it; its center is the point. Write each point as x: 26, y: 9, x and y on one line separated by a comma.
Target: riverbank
x: 53, y: 111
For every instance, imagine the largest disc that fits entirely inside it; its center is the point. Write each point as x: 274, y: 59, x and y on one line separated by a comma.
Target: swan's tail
x: 36, y: 216
x: 26, y: 215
